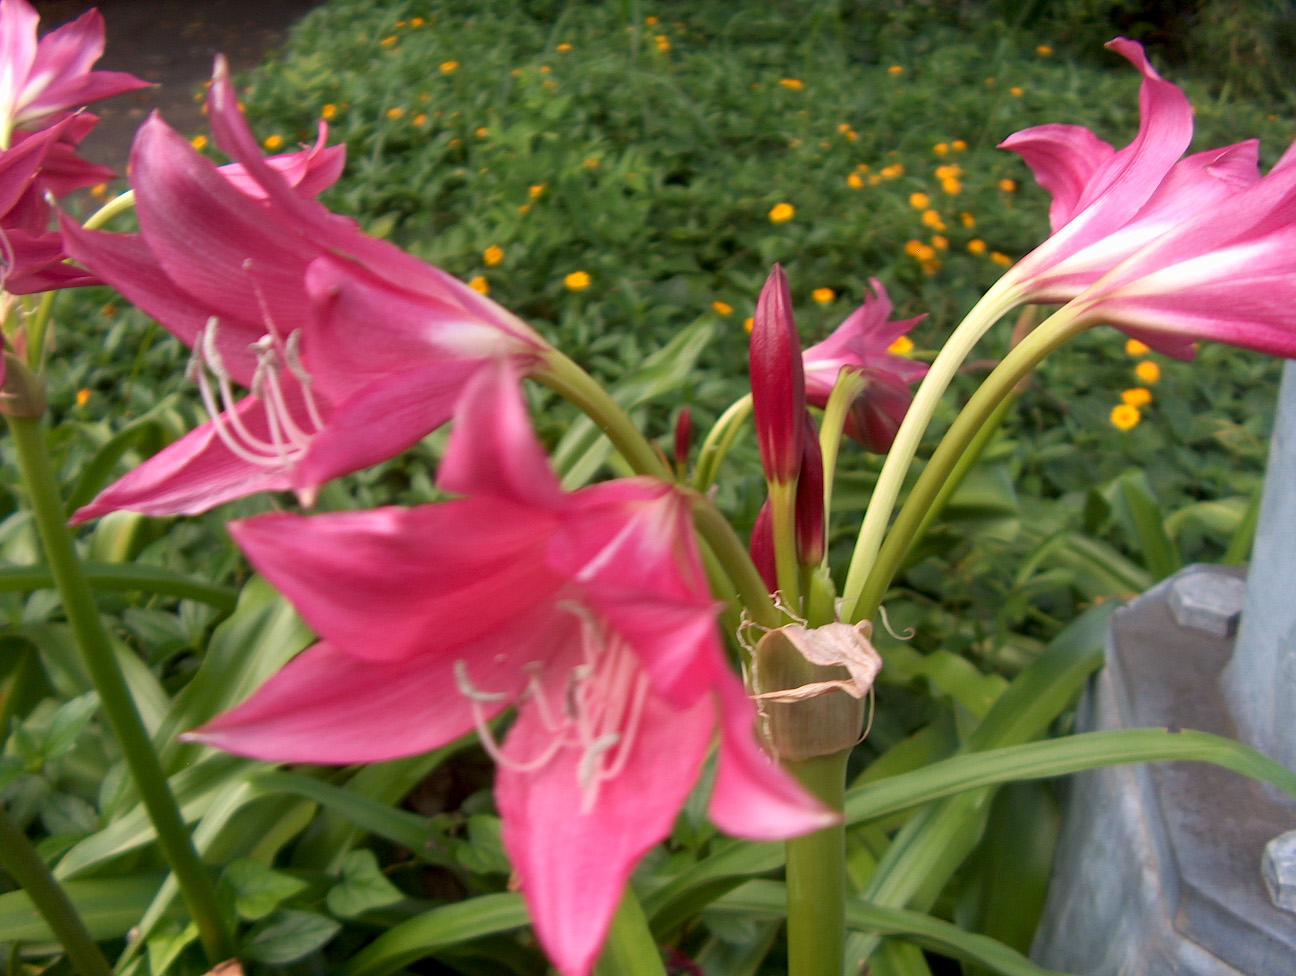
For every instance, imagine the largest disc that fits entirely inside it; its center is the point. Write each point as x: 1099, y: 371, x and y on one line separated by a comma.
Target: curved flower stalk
x: 352, y: 349
x: 862, y: 344
x: 1108, y: 203
x: 589, y: 611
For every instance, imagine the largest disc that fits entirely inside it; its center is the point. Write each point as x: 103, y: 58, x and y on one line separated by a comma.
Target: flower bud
x: 777, y: 380
x: 810, y: 687
x: 683, y: 439
x: 762, y: 547
x: 810, y: 499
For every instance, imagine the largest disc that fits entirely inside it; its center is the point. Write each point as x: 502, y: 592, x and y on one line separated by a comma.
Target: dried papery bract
x: 811, y: 684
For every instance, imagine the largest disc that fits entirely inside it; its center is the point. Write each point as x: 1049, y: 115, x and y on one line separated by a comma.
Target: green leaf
x: 67, y: 724
x: 363, y: 886
x: 288, y: 936
x: 167, y: 942
x: 630, y: 949
x: 437, y: 929
x: 125, y: 577
x: 405, y: 828
x: 1142, y: 516
x: 768, y: 899
x: 258, y: 890
x: 108, y: 906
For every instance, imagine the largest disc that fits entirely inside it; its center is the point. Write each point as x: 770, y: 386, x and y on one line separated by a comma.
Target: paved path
x: 172, y: 43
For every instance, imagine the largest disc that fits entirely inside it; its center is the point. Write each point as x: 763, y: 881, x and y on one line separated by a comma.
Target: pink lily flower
x: 39, y: 79
x: 352, y: 349
x: 862, y: 344
x: 1108, y: 203
x: 1227, y: 274
x: 37, y: 163
x: 588, y: 611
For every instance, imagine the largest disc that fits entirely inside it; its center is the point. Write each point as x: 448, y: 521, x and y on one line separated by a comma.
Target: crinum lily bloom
x: 39, y: 79
x: 862, y: 344
x: 587, y: 610
x: 352, y: 349
x: 1108, y: 203
x: 1228, y: 275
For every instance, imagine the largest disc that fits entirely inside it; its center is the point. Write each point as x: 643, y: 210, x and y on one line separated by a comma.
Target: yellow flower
x: 1148, y: 371
x: 958, y: 145
x: 493, y: 255
x: 748, y: 323
x: 421, y: 118
x: 395, y: 112
x: 1043, y: 50
x: 1008, y: 186
x: 919, y: 201
x: 329, y: 112
x: 1138, y: 396
x: 1125, y: 416
x: 792, y: 84
x: 389, y: 41
x: 895, y: 69
x: 1001, y: 259
x: 823, y: 295
x: 199, y: 141
x: 976, y: 246
x: 920, y: 251
x: 663, y: 43
x: 652, y: 21
x: 1016, y: 91
x: 545, y: 69
x: 482, y: 132
x: 449, y: 67
x: 940, y: 243
x: 479, y: 285
x: 99, y: 190
x: 892, y: 171
x: 855, y: 181
x: 273, y: 142
x: 722, y: 308
x: 966, y: 219
x: 932, y: 219
x: 535, y: 190
x: 564, y: 48
x: 951, y: 186
x: 781, y: 213
x: 941, y: 149
x: 82, y: 397
x: 1135, y: 348
x: 577, y: 281
x: 902, y: 346
x: 950, y: 172
x: 417, y: 22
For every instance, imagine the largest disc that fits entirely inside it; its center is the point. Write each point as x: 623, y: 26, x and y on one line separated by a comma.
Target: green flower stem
x: 117, y: 205
x: 849, y: 385
x: 114, y: 696
x: 719, y: 440
x: 816, y: 875
x: 568, y: 380
x: 1053, y: 332
x: 993, y: 305
x: 732, y: 556
x: 37, y: 325
x: 21, y: 862
x: 782, y: 500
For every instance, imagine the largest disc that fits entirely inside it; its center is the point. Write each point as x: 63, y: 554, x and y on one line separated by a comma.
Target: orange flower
x: 781, y: 213
x: 1125, y: 416
x: 493, y: 256
x: 577, y: 281
x: 479, y: 285
x: 1139, y: 396
x: 1148, y: 371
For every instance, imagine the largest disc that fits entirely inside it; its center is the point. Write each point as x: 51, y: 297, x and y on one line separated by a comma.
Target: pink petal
x: 327, y: 706
x: 310, y: 171
x: 1063, y: 159
x: 196, y: 473
x: 493, y: 451
x: 574, y: 859
x: 777, y: 380
x: 18, y: 20
x: 390, y: 584
x: 752, y: 796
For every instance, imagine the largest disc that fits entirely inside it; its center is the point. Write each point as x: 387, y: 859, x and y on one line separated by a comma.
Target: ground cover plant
x: 620, y: 177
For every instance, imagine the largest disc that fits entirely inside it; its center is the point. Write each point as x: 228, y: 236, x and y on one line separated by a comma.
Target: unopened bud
x: 23, y: 392
x: 777, y: 380
x: 810, y: 687
x: 810, y: 499
x: 683, y: 439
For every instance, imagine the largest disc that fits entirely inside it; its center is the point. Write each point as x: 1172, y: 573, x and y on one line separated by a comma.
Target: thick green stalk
x: 1054, y: 331
x: 21, y: 862
x: 992, y: 306
x: 566, y: 378
x: 732, y: 556
x: 114, y: 696
x: 816, y: 875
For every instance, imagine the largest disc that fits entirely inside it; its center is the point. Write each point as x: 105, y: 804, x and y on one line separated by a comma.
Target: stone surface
x: 1279, y: 870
